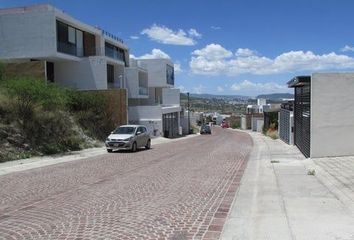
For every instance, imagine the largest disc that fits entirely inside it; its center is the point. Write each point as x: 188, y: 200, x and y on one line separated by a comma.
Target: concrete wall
x: 170, y: 96
x: 133, y: 75
x: 150, y: 116
x: 27, y: 35
x: 88, y: 74
x: 332, y: 114
x: 157, y: 71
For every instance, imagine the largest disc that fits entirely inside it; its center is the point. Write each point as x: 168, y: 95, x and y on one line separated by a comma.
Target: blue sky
x: 228, y: 47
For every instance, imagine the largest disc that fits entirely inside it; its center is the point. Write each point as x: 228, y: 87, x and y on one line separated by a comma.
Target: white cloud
x: 220, y: 89
x: 177, y: 68
x: 155, y: 54
x: 268, y: 87
x: 347, y: 48
x: 199, y: 89
x: 134, y: 37
x: 216, y: 60
x: 182, y: 89
x: 165, y: 35
x: 193, y: 33
x: 245, y: 52
x: 215, y: 27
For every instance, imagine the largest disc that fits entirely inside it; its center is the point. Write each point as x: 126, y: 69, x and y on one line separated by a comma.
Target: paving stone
x: 177, y: 190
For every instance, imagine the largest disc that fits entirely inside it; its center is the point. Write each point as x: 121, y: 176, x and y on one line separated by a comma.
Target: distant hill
x: 211, y: 96
x: 275, y: 96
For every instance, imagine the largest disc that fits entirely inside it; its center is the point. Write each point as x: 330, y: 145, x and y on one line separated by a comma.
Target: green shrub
x: 30, y: 93
x: 2, y: 68
x: 53, y: 132
x: 235, y: 125
x: 91, y: 112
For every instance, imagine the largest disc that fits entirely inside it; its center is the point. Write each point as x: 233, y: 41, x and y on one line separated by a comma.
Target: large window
x: 114, y: 52
x: 74, y: 41
x: 170, y: 75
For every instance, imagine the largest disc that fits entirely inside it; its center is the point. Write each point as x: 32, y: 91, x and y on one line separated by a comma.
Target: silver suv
x: 128, y: 137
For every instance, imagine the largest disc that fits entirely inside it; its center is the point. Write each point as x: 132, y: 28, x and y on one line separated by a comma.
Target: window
x: 170, y: 76
x: 110, y: 74
x: 114, y: 52
x: 71, y: 35
x: 74, y: 41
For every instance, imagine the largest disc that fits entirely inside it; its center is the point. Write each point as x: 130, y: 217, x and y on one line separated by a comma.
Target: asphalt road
x: 178, y: 190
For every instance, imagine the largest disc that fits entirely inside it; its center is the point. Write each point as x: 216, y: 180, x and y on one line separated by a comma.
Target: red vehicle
x: 224, y: 124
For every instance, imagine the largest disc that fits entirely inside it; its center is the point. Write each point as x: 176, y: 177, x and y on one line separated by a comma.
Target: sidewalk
x: 35, y: 162
x: 277, y: 198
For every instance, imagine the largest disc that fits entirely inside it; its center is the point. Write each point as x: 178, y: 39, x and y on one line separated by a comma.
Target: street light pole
x: 188, y: 112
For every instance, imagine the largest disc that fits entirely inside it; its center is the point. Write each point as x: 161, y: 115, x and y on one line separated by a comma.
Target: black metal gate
x: 302, y: 117
x: 170, y: 125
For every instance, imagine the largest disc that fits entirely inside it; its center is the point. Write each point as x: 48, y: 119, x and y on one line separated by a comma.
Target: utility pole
x: 188, y: 107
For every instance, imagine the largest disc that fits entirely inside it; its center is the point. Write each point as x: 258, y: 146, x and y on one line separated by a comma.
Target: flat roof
x: 299, y: 81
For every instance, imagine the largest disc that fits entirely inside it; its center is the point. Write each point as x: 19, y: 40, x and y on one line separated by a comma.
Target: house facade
x: 324, y: 114
x: 75, y: 54
x: 160, y: 110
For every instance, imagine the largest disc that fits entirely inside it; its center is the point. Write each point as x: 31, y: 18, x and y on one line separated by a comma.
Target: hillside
x: 276, y: 96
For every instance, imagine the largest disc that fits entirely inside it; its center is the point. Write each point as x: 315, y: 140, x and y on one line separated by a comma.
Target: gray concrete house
x: 324, y: 114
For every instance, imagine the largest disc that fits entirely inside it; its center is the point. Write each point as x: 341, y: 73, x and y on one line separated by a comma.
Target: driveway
x: 177, y: 190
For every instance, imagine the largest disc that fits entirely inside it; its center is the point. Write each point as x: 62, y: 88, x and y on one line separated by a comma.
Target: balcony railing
x: 143, y: 91
x: 72, y: 49
x: 67, y: 48
x: 114, y: 54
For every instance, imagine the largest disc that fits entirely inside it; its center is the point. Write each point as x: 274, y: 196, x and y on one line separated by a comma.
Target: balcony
x: 112, y: 53
x: 72, y: 49
x: 67, y: 48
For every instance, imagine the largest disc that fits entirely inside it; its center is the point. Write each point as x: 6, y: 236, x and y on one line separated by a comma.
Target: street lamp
x: 188, y: 113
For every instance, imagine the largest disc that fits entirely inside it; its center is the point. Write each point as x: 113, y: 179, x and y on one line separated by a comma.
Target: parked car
x: 205, y: 129
x: 224, y: 125
x: 128, y: 137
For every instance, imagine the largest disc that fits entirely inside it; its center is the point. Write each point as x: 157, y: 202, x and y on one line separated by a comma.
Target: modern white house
x: 324, y: 114
x: 75, y: 54
x: 160, y: 111
x: 259, y: 108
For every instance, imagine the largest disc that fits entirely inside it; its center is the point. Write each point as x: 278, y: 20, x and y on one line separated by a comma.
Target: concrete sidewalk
x: 35, y: 162
x: 277, y: 199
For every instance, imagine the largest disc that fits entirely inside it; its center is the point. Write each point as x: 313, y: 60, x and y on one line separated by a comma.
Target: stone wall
x: 34, y: 69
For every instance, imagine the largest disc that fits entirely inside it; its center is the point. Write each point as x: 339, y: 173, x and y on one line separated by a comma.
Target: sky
x: 230, y: 47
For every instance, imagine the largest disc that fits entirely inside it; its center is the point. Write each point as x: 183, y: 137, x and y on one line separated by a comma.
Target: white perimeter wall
x: 332, y: 114
x: 88, y: 74
x: 170, y: 96
x: 27, y: 35
x: 133, y: 82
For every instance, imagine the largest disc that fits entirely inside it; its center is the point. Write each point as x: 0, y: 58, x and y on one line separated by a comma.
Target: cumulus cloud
x: 155, y: 54
x: 347, y: 48
x: 247, y: 85
x: 193, y: 33
x: 216, y: 60
x: 199, y: 89
x: 177, y: 68
x: 182, y: 89
x: 220, y: 89
x: 165, y: 35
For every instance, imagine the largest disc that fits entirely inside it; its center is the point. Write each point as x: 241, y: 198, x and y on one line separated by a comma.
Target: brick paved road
x: 179, y: 190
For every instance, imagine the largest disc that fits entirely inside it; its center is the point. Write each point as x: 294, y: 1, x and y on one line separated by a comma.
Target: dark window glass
x: 110, y: 73
x: 114, y: 52
x: 170, y: 75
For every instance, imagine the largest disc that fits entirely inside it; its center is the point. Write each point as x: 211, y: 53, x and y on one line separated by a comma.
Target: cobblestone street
x: 179, y: 190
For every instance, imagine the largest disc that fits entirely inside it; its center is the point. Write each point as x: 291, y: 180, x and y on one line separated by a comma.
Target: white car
x: 128, y: 137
